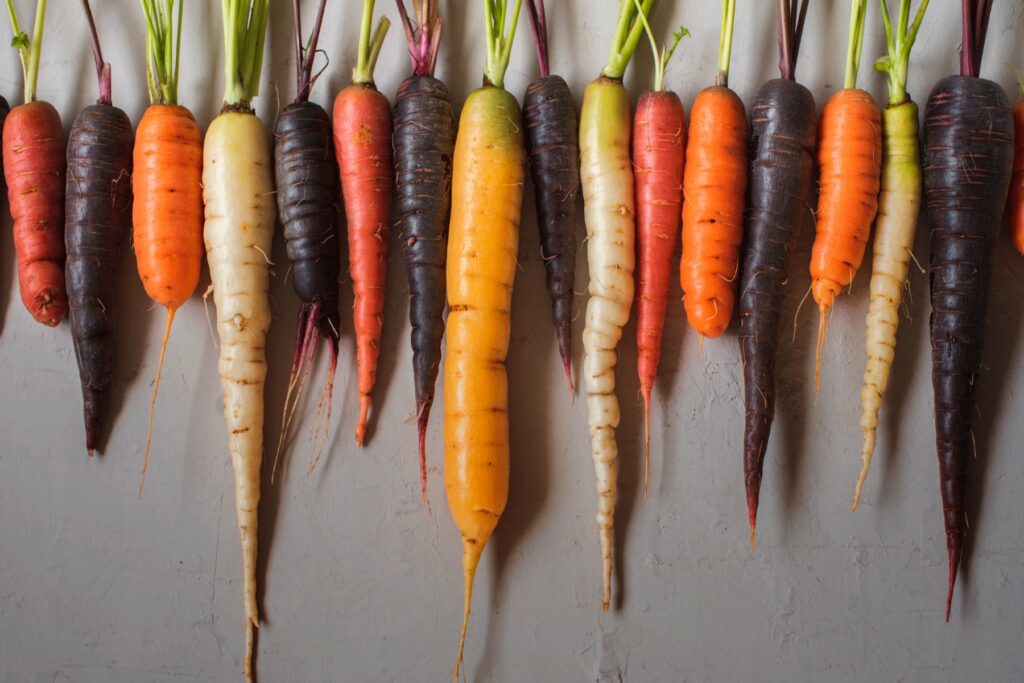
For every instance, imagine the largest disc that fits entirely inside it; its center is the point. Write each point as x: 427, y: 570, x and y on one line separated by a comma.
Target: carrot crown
x: 499, y: 39
x: 791, y: 29
x: 29, y: 49
x: 102, y: 67
x: 245, y: 30
x: 725, y: 42
x: 163, y: 49
x: 539, y: 27
x: 369, y: 44
x: 975, y: 18
x: 662, y: 58
x: 899, y: 40
x: 627, y: 35
x: 858, y: 10
x: 425, y: 39
x: 304, y: 56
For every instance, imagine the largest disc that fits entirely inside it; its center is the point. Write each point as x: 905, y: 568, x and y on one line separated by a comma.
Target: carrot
x: 849, y: 156
x: 424, y: 142
x: 968, y: 160
x: 608, y: 206
x: 782, y: 157
x: 306, y: 177
x: 1015, y: 201
x: 362, y: 141
x: 714, y: 190
x: 659, y: 141
x: 549, y: 115
x: 98, y: 200
x: 898, y: 206
x: 238, y: 192
x: 483, y: 238
x: 34, y: 161
x: 167, y: 214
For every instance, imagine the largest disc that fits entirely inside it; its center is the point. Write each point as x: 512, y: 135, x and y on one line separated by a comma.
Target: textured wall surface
x: 359, y: 583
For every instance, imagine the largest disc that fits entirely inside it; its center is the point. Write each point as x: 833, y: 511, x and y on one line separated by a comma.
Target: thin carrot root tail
x: 152, y: 402
x: 822, y: 334
x: 954, y: 565
x: 607, y: 550
x: 567, y: 364
x: 422, y: 417
x: 752, y: 518
x: 323, y: 409
x: 306, y: 341
x: 647, y: 437
x: 866, y: 454
x: 471, y: 550
x: 250, y: 637
x: 364, y: 413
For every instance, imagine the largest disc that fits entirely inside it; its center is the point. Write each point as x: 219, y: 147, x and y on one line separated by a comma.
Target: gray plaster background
x: 359, y: 583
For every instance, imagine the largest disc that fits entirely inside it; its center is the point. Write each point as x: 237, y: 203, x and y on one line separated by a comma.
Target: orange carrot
x: 1015, y: 203
x: 362, y: 141
x: 850, y: 157
x: 714, y: 191
x: 659, y: 138
x: 34, y: 166
x: 167, y: 213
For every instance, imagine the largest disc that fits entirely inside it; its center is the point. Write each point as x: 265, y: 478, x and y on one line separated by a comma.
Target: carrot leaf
x: 499, y: 39
x: 626, y: 38
x: 369, y: 44
x: 29, y: 49
x: 899, y: 41
x: 662, y: 57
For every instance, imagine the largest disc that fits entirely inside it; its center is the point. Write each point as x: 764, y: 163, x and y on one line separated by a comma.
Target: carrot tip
x: 954, y: 564
x: 90, y: 451
x: 364, y: 412
x: 567, y: 364
x: 822, y: 333
x: 422, y: 417
x: 647, y: 438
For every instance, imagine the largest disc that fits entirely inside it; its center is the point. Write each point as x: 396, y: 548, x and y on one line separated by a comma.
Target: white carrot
x: 898, y: 206
x: 607, y: 178
x: 238, y: 194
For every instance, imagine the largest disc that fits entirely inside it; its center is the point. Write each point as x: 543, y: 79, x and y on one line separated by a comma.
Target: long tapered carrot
x: 362, y: 141
x: 609, y: 210
x: 898, y: 207
x: 238, y: 193
x: 167, y: 213
x: 659, y: 141
x: 98, y: 199
x: 483, y: 239
x: 850, y: 159
x: 34, y: 166
x: 1015, y: 202
x: 714, y: 190
x: 423, y: 145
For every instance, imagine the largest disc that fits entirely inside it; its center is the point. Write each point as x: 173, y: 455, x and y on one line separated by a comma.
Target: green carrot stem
x: 662, y: 58
x: 725, y: 42
x: 627, y: 36
x: 858, y: 11
x: 370, y: 43
x: 899, y: 42
x: 245, y: 29
x: 29, y: 49
x: 499, y: 39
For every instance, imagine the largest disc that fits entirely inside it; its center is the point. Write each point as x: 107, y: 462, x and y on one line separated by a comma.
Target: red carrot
x: 659, y: 138
x: 33, y: 150
x: 362, y: 141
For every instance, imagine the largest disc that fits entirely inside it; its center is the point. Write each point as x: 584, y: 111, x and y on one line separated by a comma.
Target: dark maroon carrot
x: 549, y: 114
x: 97, y: 210
x: 424, y: 141
x: 783, y: 130
x: 968, y: 159
x: 307, y: 203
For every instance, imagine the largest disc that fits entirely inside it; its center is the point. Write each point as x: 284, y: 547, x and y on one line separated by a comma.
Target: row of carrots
x: 735, y: 191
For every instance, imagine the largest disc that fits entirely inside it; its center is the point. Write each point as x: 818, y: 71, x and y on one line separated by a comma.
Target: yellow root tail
x: 471, y: 551
x: 152, y: 402
x: 822, y: 334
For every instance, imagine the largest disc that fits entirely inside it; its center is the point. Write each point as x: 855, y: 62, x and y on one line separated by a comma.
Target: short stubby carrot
x: 850, y: 158
x: 34, y: 166
x: 362, y: 141
x: 714, y: 190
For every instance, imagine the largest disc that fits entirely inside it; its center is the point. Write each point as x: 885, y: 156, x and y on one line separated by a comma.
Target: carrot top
x: 102, y: 67
x: 899, y: 41
x: 245, y: 30
x: 975, y: 18
x: 539, y: 26
x: 499, y: 39
x: 163, y: 49
x: 725, y: 42
x: 425, y: 38
x: 662, y: 58
x: 858, y: 10
x: 627, y: 35
x: 304, y: 56
x: 791, y: 29
x: 369, y: 44
x: 29, y: 49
